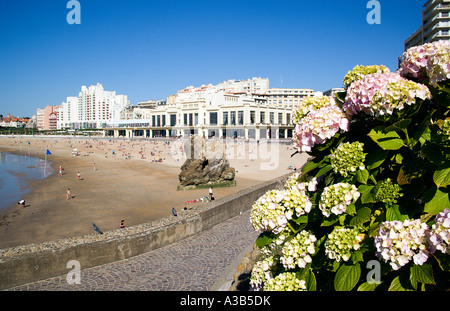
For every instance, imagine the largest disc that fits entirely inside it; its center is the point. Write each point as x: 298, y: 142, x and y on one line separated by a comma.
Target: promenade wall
x: 42, y: 261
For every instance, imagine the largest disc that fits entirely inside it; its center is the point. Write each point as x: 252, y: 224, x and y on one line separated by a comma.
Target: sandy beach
x: 136, y: 183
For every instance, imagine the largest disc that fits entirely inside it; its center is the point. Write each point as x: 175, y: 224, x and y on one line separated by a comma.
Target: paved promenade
x: 193, y: 264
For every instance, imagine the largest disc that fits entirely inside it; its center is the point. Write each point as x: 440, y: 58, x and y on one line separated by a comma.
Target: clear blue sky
x: 150, y: 49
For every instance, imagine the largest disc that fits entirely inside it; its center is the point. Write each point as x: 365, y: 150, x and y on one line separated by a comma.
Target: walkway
x: 193, y: 264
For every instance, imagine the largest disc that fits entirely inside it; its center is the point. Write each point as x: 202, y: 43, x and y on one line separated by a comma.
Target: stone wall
x: 30, y: 263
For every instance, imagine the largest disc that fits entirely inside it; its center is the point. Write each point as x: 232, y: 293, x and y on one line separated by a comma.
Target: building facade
x: 209, y: 114
x: 287, y: 98
x: 435, y: 24
x: 46, y: 118
x: 93, y: 108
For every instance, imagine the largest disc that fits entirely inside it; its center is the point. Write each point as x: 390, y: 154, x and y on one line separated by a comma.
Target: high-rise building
x: 435, y: 24
x: 93, y: 108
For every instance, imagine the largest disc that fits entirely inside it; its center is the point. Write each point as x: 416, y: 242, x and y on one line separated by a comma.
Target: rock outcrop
x: 206, y: 163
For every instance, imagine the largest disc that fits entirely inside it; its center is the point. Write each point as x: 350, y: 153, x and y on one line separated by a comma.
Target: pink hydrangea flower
x: 430, y: 59
x: 319, y: 125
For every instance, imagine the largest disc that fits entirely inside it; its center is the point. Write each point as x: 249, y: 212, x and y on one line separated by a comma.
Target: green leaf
x: 309, y: 167
x: 399, y: 126
x: 423, y: 274
x: 393, y: 213
x: 375, y: 159
x: 362, y: 216
x: 367, y: 287
x: 441, y: 176
x: 443, y: 260
x: 362, y: 176
x: 386, y: 140
x: 366, y: 194
x: 264, y: 239
x: 436, y: 201
x: 347, y: 277
x: 434, y: 153
x: 398, y: 286
x: 329, y: 221
x: 324, y: 170
x: 310, y: 279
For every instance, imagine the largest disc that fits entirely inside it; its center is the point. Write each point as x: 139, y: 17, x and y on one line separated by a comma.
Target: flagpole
x: 45, y: 165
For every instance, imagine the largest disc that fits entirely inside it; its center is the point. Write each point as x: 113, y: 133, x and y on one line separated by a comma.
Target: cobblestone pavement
x: 193, y: 264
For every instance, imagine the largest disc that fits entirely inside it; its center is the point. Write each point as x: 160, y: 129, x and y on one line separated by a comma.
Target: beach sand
x: 137, y: 190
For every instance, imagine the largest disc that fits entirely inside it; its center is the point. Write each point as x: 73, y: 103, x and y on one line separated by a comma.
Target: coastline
x: 136, y: 190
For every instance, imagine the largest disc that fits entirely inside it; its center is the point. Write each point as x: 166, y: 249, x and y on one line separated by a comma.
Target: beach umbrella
x: 97, y: 229
x: 174, y: 212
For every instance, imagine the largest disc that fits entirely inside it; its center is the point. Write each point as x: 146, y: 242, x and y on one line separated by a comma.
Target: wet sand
x: 127, y: 185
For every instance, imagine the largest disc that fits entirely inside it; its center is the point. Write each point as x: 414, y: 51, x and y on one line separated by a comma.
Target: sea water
x: 16, y: 172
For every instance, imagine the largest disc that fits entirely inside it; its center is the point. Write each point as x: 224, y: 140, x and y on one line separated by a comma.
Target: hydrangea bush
x: 376, y: 187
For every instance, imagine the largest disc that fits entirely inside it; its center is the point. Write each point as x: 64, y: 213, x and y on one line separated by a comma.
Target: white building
x: 208, y: 112
x: 288, y: 98
x: 93, y: 108
x: 435, y: 24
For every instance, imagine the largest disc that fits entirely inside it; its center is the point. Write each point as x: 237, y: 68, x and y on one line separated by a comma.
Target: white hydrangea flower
x: 398, y: 242
x: 439, y: 238
x: 262, y: 272
x: 297, y: 251
x: 341, y: 242
x: 336, y: 198
x: 287, y: 281
x: 348, y: 158
x: 272, y: 211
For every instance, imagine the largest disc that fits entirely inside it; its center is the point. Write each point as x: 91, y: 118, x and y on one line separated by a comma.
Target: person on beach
x: 210, y: 192
x: 68, y: 195
x: 79, y: 176
x: 60, y: 170
x: 94, y: 166
x: 122, y: 225
x: 21, y: 202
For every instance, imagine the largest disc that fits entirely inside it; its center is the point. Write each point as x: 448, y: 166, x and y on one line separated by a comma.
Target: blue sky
x: 150, y: 49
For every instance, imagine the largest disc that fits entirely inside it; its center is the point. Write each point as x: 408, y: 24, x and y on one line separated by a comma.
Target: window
x: 233, y: 118
x: 225, y: 118
x: 185, y: 119
x: 262, y: 117
x: 272, y: 117
x: 213, y: 118
x: 173, y: 119
x: 240, y: 117
x: 252, y: 117
x: 280, y: 118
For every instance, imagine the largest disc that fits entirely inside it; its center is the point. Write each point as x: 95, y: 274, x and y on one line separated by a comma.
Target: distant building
x: 231, y: 109
x: 46, y: 118
x: 435, y: 24
x: 11, y: 121
x: 287, y: 98
x: 93, y: 108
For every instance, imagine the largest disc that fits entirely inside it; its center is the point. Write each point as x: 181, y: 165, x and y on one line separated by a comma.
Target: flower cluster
x: 297, y: 251
x: 379, y: 94
x: 309, y: 104
x: 341, y: 242
x: 297, y: 201
x: 319, y: 126
x: 429, y: 59
x: 287, y: 281
x: 295, y: 182
x: 348, y: 158
x: 262, y: 272
x: 440, y: 233
x: 336, y: 198
x: 272, y: 211
x: 359, y: 72
x: 399, y: 242
x: 388, y: 192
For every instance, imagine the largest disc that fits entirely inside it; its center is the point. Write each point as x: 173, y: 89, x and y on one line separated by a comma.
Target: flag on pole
x: 48, y: 152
